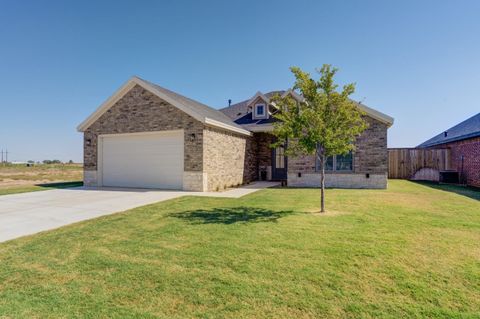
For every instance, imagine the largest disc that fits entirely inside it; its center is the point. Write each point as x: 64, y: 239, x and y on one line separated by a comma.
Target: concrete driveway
x: 29, y: 213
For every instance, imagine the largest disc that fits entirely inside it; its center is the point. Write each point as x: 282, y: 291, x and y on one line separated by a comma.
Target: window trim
x: 256, y: 110
x: 334, y: 165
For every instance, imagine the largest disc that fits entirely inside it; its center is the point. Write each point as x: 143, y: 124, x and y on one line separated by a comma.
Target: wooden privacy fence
x: 405, y: 163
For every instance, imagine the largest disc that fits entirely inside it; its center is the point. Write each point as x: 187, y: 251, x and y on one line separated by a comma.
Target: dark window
x: 344, y: 162
x: 341, y: 163
x: 328, y: 164
x: 260, y: 109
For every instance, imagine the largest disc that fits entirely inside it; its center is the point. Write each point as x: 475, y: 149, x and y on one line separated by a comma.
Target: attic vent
x: 445, y: 134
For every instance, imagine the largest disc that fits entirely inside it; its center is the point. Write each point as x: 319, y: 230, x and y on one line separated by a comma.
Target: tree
x: 324, y: 123
x: 55, y: 161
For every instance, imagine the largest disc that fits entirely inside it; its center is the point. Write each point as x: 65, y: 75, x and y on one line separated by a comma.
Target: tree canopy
x: 323, y: 122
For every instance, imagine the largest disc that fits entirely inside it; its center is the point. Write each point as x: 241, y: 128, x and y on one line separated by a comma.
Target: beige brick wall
x: 214, y: 158
x: 370, y: 156
x: 141, y: 111
x: 228, y: 158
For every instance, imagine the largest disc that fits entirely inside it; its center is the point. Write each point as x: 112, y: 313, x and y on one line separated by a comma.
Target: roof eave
x: 211, y: 122
x: 450, y: 140
x: 382, y: 117
x: 257, y: 128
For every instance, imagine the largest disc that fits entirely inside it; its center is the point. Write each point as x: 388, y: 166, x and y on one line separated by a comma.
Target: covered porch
x: 271, y: 163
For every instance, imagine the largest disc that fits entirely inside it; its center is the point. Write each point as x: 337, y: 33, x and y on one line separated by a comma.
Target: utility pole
x: 2, y: 157
x: 6, y: 156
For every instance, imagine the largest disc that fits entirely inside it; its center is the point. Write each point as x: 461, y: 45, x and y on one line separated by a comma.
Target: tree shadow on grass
x: 232, y: 215
x: 467, y: 191
x: 61, y: 185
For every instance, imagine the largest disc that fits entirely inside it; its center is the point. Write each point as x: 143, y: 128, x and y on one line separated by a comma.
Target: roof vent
x: 445, y: 134
x: 229, y: 102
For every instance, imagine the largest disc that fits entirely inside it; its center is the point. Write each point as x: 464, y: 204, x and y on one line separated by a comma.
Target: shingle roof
x: 196, y: 106
x: 238, y: 111
x: 248, y: 119
x: 467, y: 129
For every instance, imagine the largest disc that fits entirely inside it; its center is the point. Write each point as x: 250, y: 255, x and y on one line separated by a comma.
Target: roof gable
x: 258, y: 95
x: 293, y: 94
x: 240, y: 109
x: 197, y: 110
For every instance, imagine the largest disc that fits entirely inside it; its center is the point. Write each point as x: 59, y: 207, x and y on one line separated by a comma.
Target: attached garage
x: 145, y: 160
x: 145, y: 136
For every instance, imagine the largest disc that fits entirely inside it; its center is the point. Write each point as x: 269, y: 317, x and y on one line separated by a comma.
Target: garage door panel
x: 143, y: 160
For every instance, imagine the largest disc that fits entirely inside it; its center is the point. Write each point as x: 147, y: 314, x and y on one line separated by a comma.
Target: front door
x: 279, y: 163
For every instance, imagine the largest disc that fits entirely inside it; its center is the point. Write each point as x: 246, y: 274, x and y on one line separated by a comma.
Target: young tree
x: 325, y: 123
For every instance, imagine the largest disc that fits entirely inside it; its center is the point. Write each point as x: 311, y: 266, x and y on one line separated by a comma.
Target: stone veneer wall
x: 141, y: 111
x: 229, y: 158
x: 370, y: 156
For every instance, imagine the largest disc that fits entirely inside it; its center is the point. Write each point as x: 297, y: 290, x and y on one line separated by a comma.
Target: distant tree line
x: 52, y: 161
x: 55, y: 161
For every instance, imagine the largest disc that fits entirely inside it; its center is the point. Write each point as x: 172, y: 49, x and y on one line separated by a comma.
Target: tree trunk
x: 321, y: 156
x: 322, y: 186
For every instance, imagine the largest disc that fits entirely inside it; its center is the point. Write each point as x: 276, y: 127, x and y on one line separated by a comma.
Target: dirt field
x: 21, y: 175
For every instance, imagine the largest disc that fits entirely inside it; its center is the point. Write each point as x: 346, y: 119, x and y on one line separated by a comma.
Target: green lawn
x: 410, y: 251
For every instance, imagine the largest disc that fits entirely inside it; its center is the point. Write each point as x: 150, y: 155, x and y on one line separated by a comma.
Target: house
x: 149, y: 137
x: 463, y: 140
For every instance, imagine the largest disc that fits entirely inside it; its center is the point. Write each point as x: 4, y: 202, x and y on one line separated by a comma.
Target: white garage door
x: 149, y: 160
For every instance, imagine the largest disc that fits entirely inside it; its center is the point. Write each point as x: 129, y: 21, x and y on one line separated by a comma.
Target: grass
x: 410, y: 251
x: 20, y: 178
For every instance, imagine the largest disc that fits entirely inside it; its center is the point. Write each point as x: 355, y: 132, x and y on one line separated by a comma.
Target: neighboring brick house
x: 463, y: 140
x: 149, y: 137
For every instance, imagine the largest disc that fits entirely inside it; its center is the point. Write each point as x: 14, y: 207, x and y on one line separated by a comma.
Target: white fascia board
x: 259, y: 127
x: 209, y: 121
x: 127, y: 86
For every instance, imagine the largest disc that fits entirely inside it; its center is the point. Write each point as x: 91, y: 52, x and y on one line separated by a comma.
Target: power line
x: 6, y: 156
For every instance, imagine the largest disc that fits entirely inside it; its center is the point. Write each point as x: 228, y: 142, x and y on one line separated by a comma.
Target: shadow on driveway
x: 231, y: 215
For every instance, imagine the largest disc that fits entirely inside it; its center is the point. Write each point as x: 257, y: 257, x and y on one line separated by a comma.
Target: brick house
x: 463, y: 140
x: 149, y: 137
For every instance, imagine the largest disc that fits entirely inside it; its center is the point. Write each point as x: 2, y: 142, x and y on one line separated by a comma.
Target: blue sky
x: 417, y: 61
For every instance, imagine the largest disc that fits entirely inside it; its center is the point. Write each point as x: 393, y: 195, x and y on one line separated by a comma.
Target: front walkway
x: 29, y: 213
